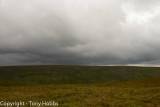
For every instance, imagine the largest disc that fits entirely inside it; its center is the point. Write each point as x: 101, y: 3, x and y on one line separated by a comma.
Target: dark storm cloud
x: 90, y: 32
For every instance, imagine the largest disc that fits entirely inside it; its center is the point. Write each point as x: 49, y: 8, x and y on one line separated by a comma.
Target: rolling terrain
x: 82, y: 86
x: 73, y: 74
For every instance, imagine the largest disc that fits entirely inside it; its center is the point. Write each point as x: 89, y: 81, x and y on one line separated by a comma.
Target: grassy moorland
x: 82, y: 86
x: 73, y: 74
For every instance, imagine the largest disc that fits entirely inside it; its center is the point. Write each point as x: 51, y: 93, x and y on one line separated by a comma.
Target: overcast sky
x: 84, y: 32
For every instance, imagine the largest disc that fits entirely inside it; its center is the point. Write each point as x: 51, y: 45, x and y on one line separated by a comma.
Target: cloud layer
x: 88, y: 32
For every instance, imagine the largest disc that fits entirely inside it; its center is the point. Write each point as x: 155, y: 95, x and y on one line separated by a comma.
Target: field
x: 82, y: 86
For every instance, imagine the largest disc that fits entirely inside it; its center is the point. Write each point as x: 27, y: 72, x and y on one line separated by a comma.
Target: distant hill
x: 67, y: 74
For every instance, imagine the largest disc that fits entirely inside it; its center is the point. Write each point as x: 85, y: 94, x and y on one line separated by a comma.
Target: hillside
x: 17, y: 75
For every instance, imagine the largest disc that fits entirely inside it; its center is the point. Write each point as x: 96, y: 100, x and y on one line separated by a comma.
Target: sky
x: 79, y: 32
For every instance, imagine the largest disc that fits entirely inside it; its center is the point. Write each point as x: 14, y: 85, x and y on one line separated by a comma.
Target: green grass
x: 82, y: 86
x: 73, y: 74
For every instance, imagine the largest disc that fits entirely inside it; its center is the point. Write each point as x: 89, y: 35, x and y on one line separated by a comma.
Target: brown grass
x: 140, y: 93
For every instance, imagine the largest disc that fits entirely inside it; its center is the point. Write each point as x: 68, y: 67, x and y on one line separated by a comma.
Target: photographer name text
x: 30, y: 103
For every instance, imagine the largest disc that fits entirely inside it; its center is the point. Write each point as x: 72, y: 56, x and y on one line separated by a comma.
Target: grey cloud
x: 89, y: 32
